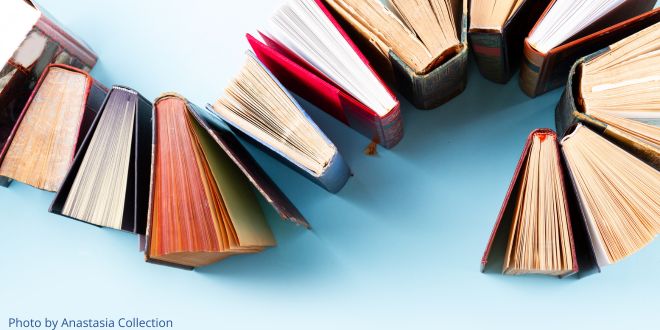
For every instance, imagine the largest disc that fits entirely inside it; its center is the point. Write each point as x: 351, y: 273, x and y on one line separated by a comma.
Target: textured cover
x: 541, y: 73
x: 495, y: 249
x: 136, y: 199
x: 498, y: 53
x: 95, y: 94
x: 61, y: 47
x: 307, y: 82
x: 424, y: 91
x: 570, y: 112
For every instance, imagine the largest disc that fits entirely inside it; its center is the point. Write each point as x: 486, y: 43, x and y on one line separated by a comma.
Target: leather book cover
x: 541, y: 73
x: 498, y: 53
x: 134, y: 219
x: 307, y: 82
x: 569, y: 112
x: 493, y: 258
x: 425, y: 91
x: 94, y: 92
x: 43, y: 42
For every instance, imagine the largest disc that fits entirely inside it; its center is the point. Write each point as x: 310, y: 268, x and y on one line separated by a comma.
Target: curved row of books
x: 177, y: 175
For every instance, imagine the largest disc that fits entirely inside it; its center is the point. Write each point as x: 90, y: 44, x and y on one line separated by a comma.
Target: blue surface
x: 398, y: 248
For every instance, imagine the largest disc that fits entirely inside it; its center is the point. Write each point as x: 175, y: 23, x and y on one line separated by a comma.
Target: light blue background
x: 398, y: 248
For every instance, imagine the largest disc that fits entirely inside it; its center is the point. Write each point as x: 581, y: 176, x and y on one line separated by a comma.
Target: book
x: 389, y: 35
x: 307, y: 50
x: 573, y: 207
x: 30, y: 40
x: 615, y: 92
x: 214, y: 213
x: 568, y: 30
x: 50, y: 128
x: 256, y: 106
x: 418, y: 46
x: 497, y: 32
x: 108, y: 182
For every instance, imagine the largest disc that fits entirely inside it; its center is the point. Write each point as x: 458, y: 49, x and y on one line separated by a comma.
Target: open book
x: 213, y: 213
x: 420, y: 36
x: 48, y: 132
x: 568, y: 30
x: 304, y: 47
x: 258, y: 107
x: 617, y: 91
x: 589, y: 206
x: 107, y: 184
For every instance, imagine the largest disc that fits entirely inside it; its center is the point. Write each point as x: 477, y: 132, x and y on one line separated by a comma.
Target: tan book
x: 592, y: 205
x: 42, y: 145
x: 616, y: 92
x: 419, y: 45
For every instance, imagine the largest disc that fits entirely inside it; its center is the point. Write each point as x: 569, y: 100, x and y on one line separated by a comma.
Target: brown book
x: 418, y: 46
x: 30, y: 41
x: 573, y: 206
x: 553, y: 45
x: 497, y: 31
x: 614, y: 93
x: 44, y: 140
x: 214, y: 214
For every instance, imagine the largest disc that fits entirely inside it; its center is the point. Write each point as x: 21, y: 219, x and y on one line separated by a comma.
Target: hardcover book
x: 567, y: 31
x: 51, y: 127
x: 616, y: 92
x: 497, y: 32
x: 418, y: 46
x: 309, y: 53
x: 213, y: 213
x: 573, y: 206
x: 108, y: 182
x: 257, y: 107
x: 31, y: 40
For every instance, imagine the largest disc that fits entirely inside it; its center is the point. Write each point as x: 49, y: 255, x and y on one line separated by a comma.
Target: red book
x: 307, y: 81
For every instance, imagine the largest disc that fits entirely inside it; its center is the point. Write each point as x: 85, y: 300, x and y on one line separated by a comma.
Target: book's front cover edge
x: 251, y: 169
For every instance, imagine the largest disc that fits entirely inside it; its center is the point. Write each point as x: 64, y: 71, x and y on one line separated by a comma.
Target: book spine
x: 489, y: 52
x: 430, y: 90
x: 531, y: 70
x: 336, y: 175
x: 567, y: 108
x: 391, y: 128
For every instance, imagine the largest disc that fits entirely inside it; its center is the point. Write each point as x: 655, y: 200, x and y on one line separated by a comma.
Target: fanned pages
x: 98, y: 193
x: 492, y: 14
x: 621, y: 87
x: 567, y: 18
x: 618, y: 193
x: 257, y: 105
x: 421, y: 32
x: 45, y: 141
x: 302, y: 27
x: 540, y: 239
x: 210, y: 215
